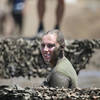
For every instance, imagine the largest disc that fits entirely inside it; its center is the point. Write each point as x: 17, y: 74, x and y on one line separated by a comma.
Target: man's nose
x: 45, y: 48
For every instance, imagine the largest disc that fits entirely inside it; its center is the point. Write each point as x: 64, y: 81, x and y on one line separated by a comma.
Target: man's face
x: 48, y: 47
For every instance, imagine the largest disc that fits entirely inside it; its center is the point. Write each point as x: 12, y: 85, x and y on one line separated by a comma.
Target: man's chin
x: 47, y: 61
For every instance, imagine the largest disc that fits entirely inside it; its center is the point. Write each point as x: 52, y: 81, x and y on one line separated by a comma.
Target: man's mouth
x: 46, y: 56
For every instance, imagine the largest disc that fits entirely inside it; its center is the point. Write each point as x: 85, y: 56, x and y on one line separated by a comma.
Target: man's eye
x: 51, y: 45
x: 48, y: 45
x: 42, y: 45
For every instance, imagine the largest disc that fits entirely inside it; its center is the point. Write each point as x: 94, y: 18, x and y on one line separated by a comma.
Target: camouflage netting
x: 44, y: 93
x: 22, y: 57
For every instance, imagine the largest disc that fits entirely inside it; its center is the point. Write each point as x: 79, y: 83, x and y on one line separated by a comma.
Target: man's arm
x: 57, y: 79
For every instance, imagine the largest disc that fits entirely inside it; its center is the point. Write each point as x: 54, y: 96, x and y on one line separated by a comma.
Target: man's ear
x: 62, y: 47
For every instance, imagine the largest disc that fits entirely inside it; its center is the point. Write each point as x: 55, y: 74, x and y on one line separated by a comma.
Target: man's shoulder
x: 65, y: 66
x: 64, y: 62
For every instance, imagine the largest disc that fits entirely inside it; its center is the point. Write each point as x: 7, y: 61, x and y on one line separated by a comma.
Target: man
x: 52, y: 49
x: 17, y: 14
x: 59, y: 13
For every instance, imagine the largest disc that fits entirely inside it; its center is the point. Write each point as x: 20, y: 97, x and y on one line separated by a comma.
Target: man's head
x: 52, y: 46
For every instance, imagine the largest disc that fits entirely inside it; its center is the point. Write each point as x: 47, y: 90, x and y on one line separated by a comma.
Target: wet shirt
x: 63, y: 75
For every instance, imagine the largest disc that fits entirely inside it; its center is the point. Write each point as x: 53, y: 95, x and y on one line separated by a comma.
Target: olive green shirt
x: 63, y: 75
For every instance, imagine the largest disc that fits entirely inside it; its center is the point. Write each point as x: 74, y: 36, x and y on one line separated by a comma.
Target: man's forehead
x: 49, y: 37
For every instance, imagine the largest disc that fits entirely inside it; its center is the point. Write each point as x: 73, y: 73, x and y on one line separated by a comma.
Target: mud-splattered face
x: 48, y: 47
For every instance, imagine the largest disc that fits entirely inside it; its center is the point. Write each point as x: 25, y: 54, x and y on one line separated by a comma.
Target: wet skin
x: 48, y: 47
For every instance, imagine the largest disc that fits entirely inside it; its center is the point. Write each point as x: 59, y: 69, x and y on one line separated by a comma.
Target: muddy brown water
x: 89, y: 79
x: 86, y: 79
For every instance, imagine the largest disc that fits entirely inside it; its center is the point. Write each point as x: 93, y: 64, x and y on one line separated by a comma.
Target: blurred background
x: 81, y: 20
